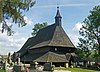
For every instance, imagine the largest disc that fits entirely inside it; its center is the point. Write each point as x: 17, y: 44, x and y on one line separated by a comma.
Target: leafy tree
x: 90, y: 32
x: 79, y: 52
x: 37, y: 27
x: 83, y: 50
x: 13, y: 10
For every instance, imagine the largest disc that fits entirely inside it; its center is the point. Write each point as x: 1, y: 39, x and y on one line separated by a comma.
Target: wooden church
x: 51, y: 44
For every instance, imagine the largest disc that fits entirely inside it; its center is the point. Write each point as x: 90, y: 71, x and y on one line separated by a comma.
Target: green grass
x: 2, y: 71
x: 77, y: 69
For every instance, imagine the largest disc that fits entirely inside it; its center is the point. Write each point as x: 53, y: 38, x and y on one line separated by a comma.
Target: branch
x: 7, y: 28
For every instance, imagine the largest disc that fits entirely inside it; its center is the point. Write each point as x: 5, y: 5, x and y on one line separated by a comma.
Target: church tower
x: 58, y: 17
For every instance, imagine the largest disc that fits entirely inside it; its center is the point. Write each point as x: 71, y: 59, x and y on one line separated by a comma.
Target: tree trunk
x: 99, y: 45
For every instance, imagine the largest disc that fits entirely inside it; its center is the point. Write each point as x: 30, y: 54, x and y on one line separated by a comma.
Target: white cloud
x: 28, y: 20
x: 10, y: 43
x: 74, y: 38
x: 77, y: 26
x: 74, y: 33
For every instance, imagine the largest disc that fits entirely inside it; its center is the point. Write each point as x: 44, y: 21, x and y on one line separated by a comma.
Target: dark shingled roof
x: 31, y: 56
x: 45, y: 57
x: 73, y: 55
x: 52, y: 35
x: 49, y: 57
x: 52, y: 57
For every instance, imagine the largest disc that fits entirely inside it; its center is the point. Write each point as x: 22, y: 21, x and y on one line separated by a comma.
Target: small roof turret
x: 58, y: 17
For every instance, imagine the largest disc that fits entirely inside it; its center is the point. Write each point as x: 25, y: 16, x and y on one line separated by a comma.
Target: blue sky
x: 73, y: 12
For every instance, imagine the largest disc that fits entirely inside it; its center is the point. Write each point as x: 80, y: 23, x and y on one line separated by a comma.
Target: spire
x: 58, y: 17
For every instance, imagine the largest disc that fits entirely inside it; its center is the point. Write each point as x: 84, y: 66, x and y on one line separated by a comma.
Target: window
x: 55, y: 49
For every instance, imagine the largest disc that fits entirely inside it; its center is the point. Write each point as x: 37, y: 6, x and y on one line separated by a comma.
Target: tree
x: 90, y: 32
x: 83, y: 48
x: 13, y: 10
x: 37, y: 27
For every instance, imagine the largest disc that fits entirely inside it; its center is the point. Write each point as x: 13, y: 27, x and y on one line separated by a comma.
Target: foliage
x: 80, y: 53
x: 90, y: 32
x: 2, y: 70
x: 37, y: 27
x: 13, y: 10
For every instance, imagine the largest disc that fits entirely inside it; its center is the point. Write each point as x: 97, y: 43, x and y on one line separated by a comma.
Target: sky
x: 73, y: 13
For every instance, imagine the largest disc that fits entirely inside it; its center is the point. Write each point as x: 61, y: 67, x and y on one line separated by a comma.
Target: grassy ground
x: 78, y: 70
x: 2, y: 71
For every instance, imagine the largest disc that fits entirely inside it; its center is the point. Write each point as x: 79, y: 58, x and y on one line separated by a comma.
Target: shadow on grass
x: 96, y: 69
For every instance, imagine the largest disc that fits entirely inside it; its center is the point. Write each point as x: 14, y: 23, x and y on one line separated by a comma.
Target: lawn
x: 2, y: 71
x: 78, y: 70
